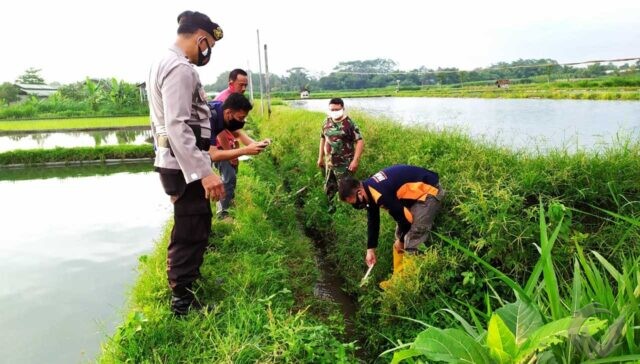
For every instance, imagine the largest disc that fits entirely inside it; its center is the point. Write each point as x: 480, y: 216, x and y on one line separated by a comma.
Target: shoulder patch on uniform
x: 379, y: 177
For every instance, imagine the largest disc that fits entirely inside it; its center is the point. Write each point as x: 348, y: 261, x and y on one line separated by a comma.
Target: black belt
x: 202, y: 143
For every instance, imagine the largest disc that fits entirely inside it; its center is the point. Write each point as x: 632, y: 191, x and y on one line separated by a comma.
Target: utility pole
x: 250, y: 81
x: 266, y: 81
x: 260, y: 75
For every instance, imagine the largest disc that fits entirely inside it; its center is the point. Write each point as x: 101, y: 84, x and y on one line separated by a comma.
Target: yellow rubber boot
x: 397, y: 261
x: 397, y: 267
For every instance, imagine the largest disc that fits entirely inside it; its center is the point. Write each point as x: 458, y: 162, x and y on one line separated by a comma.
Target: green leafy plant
x: 591, y: 323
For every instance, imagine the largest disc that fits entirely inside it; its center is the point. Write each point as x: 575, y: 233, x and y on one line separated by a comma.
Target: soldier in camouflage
x: 341, y: 146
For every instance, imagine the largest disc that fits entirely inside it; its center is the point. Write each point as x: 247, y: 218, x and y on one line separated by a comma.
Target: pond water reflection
x: 69, y: 251
x: 74, y: 139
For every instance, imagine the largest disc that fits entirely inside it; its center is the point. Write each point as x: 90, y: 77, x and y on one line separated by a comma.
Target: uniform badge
x: 217, y: 33
x: 379, y: 177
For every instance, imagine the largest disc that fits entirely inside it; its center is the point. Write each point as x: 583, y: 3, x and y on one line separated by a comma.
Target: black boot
x: 182, y: 301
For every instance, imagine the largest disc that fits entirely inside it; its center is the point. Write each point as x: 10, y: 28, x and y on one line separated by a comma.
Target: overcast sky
x: 70, y: 40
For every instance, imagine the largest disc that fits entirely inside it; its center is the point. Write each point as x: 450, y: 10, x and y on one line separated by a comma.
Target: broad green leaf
x: 521, y: 318
x: 551, y: 333
x: 401, y: 355
x: 467, y: 327
x: 500, y: 357
x: 450, y: 345
x: 555, y: 332
x: 500, y: 338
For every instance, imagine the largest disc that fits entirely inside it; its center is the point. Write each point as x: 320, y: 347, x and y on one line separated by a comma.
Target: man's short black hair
x: 237, y: 101
x: 336, y: 101
x: 233, y: 75
x: 347, y: 187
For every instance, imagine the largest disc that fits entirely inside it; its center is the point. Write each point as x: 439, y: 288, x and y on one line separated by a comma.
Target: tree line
x: 91, y: 97
x: 117, y: 97
x: 380, y: 73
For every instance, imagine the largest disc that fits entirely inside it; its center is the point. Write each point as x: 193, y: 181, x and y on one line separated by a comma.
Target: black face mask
x: 204, y: 56
x: 234, y: 125
x: 359, y: 204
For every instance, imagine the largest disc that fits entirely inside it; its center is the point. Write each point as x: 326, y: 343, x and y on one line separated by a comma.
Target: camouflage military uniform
x: 339, y: 149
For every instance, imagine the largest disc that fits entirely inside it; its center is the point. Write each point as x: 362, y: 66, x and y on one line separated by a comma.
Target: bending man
x: 413, y: 197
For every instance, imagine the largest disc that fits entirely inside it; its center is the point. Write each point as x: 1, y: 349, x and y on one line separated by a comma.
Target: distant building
x: 39, y: 91
x: 142, y: 87
x: 304, y: 94
x: 504, y: 83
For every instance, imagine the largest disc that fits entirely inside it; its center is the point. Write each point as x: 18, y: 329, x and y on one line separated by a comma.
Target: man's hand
x: 353, y: 166
x: 320, y: 162
x: 213, y: 187
x: 370, y: 259
x: 254, y: 148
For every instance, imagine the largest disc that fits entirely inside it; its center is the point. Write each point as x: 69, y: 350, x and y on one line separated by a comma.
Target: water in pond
x: 69, y: 251
x: 516, y: 123
x: 73, y: 139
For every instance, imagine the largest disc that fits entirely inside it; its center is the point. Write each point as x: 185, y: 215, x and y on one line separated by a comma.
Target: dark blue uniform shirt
x: 395, y: 189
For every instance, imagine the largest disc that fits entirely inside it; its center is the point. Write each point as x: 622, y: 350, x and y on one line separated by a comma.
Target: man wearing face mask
x: 181, y: 133
x: 230, y: 116
x: 341, y: 141
x: 238, y: 81
x: 412, y: 196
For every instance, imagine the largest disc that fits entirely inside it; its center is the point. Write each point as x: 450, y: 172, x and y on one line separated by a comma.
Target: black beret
x: 191, y: 20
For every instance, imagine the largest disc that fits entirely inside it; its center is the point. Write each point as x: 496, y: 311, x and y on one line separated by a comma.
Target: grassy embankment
x: 492, y: 208
x: 258, y: 279
x: 37, y: 172
x: 78, y: 154
x: 620, y: 88
x: 97, y: 123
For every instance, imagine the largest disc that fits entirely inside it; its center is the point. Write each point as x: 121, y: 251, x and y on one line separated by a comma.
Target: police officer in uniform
x: 181, y: 131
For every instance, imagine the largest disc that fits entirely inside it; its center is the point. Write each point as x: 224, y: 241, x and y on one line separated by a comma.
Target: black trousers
x: 189, y: 237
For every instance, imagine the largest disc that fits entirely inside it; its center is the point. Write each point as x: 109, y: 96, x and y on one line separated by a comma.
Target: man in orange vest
x: 412, y: 196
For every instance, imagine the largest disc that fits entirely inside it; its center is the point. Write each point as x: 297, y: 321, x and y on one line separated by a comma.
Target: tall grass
x: 491, y: 205
x: 586, y: 318
x: 78, y: 154
x: 257, y: 283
